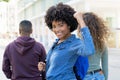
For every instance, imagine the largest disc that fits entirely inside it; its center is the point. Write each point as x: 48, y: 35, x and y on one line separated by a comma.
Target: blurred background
x: 13, y: 11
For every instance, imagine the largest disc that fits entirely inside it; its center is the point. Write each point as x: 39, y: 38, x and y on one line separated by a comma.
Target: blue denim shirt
x: 62, y: 57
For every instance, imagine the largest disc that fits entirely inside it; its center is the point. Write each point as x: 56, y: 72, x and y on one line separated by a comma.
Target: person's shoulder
x: 10, y: 44
x: 38, y: 44
x: 38, y: 47
x: 105, y: 47
x: 77, y: 40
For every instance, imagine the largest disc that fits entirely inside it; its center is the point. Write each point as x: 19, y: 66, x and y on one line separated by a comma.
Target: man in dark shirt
x: 21, y: 57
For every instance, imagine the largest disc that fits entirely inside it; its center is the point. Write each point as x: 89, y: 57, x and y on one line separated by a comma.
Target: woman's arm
x: 88, y: 45
x: 80, y: 20
x: 104, y: 62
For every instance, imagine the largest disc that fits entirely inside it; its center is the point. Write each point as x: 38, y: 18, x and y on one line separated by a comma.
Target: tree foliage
x: 4, y: 0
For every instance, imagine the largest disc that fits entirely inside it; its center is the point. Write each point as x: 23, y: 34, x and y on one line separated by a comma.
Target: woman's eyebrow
x: 59, y: 23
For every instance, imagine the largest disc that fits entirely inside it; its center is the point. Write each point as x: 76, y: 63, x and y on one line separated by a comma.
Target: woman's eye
x: 54, y: 27
x: 61, y: 25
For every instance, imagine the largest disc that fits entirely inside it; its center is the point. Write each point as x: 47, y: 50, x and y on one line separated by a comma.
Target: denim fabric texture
x: 62, y: 57
x: 94, y: 76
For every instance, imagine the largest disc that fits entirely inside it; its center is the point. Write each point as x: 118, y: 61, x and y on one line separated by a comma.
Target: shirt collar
x: 69, y: 39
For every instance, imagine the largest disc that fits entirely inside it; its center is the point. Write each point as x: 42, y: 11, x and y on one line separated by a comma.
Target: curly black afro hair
x: 61, y: 12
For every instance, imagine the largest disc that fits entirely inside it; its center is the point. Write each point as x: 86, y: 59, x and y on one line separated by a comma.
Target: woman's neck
x: 61, y: 40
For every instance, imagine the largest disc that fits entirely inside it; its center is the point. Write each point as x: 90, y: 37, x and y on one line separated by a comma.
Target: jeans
x: 95, y: 76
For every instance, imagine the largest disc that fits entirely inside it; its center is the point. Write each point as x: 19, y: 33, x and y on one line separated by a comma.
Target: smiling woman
x: 61, y: 30
x: 62, y: 20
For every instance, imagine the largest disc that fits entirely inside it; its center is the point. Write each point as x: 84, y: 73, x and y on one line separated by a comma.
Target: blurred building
x: 7, y: 18
x: 3, y: 17
x: 12, y: 18
x: 34, y: 10
x: 109, y: 11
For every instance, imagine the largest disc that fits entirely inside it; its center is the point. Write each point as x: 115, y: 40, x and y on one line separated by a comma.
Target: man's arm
x: 6, y: 66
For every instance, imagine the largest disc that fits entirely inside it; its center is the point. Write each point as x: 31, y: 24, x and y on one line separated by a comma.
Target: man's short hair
x: 25, y: 26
